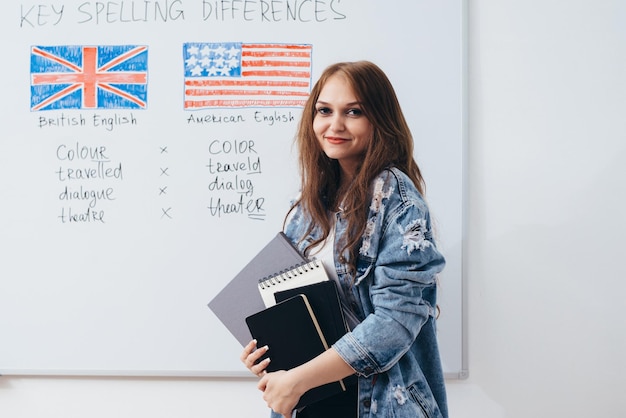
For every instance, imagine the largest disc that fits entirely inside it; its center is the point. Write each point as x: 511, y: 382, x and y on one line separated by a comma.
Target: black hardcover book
x: 324, y: 300
x: 293, y: 334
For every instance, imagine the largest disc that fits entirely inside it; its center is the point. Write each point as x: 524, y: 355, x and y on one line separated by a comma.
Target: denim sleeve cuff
x: 356, y: 356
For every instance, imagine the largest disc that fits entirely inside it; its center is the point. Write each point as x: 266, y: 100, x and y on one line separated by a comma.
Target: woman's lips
x: 336, y: 140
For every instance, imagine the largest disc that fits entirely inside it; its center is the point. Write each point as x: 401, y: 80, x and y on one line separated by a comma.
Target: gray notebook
x: 240, y: 298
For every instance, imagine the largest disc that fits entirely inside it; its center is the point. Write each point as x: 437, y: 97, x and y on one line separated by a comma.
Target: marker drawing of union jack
x: 235, y: 74
x: 89, y: 77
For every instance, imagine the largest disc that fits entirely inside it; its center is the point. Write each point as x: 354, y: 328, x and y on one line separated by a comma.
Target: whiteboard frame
x: 461, y: 374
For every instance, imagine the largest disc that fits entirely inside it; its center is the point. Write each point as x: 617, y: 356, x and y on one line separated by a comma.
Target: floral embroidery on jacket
x: 379, y: 194
x: 369, y: 229
x: 415, y: 236
x: 377, y: 199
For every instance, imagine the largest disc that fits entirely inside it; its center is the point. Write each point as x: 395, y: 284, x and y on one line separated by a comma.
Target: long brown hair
x: 391, y: 145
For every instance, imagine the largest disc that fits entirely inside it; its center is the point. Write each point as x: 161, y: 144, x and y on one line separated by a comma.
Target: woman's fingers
x: 251, y: 354
x: 247, y: 350
x: 259, y: 369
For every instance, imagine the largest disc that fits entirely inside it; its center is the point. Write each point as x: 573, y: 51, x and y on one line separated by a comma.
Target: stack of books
x: 287, y: 303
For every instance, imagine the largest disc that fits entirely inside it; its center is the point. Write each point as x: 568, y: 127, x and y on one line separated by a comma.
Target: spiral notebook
x: 302, y: 274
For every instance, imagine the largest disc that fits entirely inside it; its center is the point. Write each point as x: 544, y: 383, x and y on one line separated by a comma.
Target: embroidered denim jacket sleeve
x: 397, y: 288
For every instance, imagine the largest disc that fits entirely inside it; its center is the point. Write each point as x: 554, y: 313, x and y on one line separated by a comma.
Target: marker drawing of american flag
x: 89, y: 77
x: 234, y: 74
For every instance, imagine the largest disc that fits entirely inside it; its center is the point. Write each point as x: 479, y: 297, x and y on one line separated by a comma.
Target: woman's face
x: 342, y: 130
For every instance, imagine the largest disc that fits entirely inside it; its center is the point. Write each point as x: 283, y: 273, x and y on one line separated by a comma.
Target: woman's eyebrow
x: 355, y: 103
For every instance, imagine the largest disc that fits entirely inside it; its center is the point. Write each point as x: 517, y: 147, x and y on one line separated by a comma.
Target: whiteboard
x: 127, y: 204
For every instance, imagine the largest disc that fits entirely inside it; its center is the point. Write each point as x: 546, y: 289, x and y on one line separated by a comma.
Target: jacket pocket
x: 422, y: 396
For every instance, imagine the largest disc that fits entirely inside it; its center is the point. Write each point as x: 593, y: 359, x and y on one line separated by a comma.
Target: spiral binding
x: 289, y: 274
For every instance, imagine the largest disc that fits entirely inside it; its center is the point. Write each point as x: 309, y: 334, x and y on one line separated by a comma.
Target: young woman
x: 362, y: 212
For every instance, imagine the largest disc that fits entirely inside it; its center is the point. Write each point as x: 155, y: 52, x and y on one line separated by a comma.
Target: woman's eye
x: 323, y: 110
x: 354, y: 112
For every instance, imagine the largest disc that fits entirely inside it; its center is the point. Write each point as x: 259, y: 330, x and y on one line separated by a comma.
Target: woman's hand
x: 251, y: 355
x: 280, y: 391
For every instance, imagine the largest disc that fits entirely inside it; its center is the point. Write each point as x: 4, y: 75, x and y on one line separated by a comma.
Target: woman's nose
x: 337, y: 123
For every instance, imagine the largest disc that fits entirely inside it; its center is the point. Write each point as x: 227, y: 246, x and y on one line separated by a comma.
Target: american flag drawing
x: 234, y: 74
x: 89, y: 77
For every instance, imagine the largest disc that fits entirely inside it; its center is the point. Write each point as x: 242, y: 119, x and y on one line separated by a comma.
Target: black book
x: 324, y: 300
x: 294, y: 336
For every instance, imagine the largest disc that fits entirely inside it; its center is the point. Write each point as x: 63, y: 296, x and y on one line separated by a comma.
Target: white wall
x: 545, y: 262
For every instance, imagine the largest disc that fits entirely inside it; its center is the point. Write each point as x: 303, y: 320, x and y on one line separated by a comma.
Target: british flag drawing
x: 89, y: 77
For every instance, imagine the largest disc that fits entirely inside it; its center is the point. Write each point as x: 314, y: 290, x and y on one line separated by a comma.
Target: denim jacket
x: 394, y: 348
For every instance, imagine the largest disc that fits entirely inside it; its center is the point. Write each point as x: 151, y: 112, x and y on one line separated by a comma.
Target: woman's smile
x: 336, y: 140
